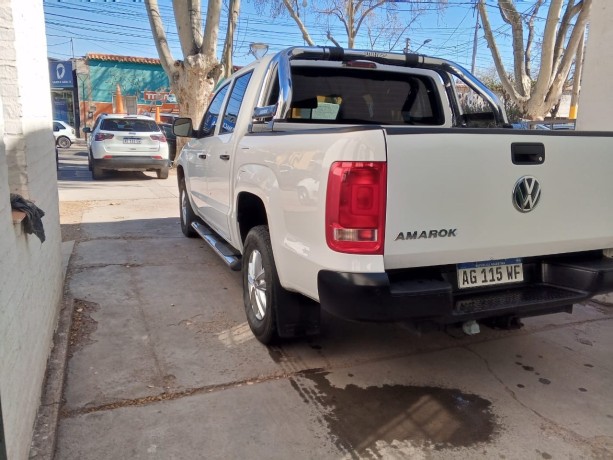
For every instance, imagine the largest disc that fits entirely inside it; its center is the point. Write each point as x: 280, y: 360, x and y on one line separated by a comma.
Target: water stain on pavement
x: 358, y: 418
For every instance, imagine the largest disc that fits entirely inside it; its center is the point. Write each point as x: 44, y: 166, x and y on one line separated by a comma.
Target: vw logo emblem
x: 526, y: 194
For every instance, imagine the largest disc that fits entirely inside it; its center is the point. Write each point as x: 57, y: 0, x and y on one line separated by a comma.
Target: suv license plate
x: 475, y: 274
x: 131, y: 140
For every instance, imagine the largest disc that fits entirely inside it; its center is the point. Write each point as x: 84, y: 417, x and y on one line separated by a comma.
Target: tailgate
x: 451, y: 195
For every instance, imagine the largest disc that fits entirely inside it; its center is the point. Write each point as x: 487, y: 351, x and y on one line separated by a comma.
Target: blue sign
x: 60, y: 73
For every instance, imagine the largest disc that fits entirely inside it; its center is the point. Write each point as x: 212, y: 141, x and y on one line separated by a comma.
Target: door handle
x: 527, y: 153
x: 224, y: 157
x: 202, y: 155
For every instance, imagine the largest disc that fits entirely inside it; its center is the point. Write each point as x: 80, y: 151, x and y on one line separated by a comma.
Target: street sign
x: 60, y: 73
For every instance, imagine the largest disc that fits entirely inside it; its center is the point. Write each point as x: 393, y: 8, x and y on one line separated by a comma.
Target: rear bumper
x: 132, y: 163
x: 552, y: 285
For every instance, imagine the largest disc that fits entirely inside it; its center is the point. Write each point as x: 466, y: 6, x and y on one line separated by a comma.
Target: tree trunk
x: 193, y: 81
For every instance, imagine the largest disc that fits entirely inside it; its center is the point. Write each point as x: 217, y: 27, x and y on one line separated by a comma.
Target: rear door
x: 461, y: 196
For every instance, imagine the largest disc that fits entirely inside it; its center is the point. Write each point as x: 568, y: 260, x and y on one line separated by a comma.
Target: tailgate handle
x: 526, y: 153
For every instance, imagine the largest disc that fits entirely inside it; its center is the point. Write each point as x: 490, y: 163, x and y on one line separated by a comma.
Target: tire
x: 162, y: 173
x: 186, y: 212
x: 97, y: 173
x: 261, y: 287
x: 63, y: 142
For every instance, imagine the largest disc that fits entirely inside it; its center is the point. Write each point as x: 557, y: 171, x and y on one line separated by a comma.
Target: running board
x: 221, y: 248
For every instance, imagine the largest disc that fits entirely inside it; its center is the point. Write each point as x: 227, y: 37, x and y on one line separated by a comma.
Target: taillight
x: 103, y: 136
x: 158, y: 137
x: 355, y: 207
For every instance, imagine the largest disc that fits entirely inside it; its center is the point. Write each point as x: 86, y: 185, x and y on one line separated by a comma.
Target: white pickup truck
x: 355, y: 181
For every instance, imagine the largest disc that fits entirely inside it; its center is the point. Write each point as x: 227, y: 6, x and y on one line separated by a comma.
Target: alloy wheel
x: 256, y: 281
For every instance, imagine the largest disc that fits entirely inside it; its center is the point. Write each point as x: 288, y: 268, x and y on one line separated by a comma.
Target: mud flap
x: 297, y: 316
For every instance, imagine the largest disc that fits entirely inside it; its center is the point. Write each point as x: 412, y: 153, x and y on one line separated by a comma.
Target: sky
x: 78, y: 27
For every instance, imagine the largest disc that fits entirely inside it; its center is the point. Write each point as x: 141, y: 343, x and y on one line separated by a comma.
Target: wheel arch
x: 250, y: 212
x: 180, y: 174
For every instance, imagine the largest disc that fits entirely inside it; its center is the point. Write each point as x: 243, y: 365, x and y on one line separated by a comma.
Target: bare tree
x: 352, y: 15
x: 537, y: 96
x: 193, y: 78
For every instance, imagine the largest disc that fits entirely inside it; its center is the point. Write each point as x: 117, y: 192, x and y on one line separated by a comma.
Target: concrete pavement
x: 163, y: 366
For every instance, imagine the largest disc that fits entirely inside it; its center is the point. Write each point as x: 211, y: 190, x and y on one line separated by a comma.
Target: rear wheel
x: 162, y: 173
x: 63, y: 142
x: 187, y: 213
x: 97, y: 172
x: 261, y: 286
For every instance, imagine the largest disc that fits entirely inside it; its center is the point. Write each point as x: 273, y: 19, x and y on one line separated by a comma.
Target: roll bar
x: 326, y: 53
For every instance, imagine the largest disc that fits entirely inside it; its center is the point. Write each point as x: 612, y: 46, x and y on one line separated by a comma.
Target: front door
x: 197, y: 153
x: 220, y: 160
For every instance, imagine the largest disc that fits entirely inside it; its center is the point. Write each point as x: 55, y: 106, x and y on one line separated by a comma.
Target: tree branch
x: 571, y: 11
x: 530, y: 39
x: 570, y: 53
x: 367, y: 12
x: 491, y: 43
x: 514, y: 19
x: 159, y: 36
x: 546, y: 74
x: 187, y: 19
x: 211, y: 28
x: 331, y: 38
x: 226, y: 56
x: 292, y: 12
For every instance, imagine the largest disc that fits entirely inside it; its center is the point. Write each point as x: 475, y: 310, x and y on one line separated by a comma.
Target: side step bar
x: 227, y: 253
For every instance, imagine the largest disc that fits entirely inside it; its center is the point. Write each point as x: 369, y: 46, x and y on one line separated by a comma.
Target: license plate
x: 131, y: 140
x: 490, y: 272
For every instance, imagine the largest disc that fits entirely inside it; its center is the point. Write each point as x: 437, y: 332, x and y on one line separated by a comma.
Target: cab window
x: 234, y: 104
x: 207, y: 128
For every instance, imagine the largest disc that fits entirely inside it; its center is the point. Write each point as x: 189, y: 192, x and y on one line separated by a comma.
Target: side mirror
x: 182, y: 127
x: 87, y: 130
x: 264, y: 113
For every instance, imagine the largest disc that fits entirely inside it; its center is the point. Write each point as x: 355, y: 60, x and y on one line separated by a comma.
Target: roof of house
x: 116, y: 58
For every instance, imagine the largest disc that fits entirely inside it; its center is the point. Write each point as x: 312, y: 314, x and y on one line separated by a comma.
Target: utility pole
x: 474, y: 61
x: 407, y: 45
x: 72, y: 47
x: 572, y: 114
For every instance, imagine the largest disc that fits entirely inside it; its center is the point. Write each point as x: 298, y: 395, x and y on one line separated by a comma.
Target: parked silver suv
x: 127, y: 143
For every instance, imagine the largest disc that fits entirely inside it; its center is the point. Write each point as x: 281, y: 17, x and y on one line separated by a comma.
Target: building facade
x: 142, y: 81
x: 30, y: 270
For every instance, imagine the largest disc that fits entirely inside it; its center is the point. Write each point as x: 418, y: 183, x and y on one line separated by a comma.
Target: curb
x: 44, y: 435
x: 45, y: 428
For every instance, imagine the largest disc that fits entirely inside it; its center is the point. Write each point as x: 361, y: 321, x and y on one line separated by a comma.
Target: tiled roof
x: 116, y: 58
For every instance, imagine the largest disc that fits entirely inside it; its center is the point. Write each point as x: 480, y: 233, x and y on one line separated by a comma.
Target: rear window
x: 350, y: 95
x: 126, y: 124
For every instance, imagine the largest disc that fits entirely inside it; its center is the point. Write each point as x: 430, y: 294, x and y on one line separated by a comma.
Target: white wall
x: 595, y: 109
x: 30, y: 272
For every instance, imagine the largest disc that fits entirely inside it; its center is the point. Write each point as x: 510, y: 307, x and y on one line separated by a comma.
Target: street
x: 162, y: 364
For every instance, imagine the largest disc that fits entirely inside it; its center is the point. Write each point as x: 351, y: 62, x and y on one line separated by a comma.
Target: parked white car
x: 127, y: 143
x: 64, y: 134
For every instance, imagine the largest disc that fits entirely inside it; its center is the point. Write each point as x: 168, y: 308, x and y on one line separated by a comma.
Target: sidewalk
x: 162, y: 365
